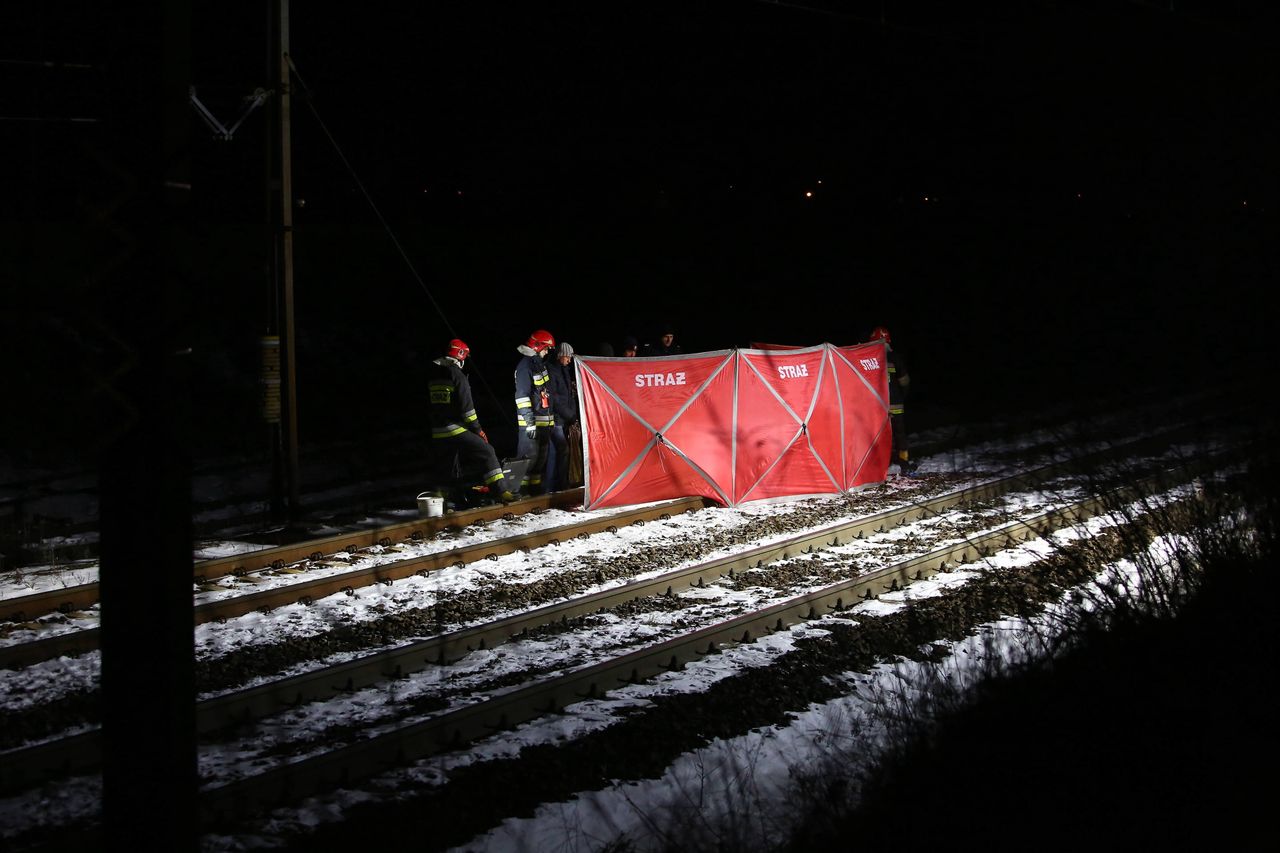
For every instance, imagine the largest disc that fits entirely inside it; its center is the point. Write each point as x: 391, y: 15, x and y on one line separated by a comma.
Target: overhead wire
x: 365, y: 192
x: 306, y: 91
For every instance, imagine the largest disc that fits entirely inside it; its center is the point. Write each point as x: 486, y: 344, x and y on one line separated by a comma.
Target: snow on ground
x: 712, y: 778
x: 623, y: 808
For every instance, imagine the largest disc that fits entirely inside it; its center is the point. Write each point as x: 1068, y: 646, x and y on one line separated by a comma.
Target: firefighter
x: 534, y: 416
x: 899, y: 380
x: 465, y: 465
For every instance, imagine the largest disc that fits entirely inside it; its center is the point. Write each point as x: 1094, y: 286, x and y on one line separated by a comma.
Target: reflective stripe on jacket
x: 533, y: 393
x: 452, y: 410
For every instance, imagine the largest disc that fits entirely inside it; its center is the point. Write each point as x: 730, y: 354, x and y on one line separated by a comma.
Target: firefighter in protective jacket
x: 534, y: 416
x: 463, y: 461
x: 899, y: 380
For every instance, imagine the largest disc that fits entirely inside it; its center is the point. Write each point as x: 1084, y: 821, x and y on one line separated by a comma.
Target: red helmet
x: 458, y: 349
x: 540, y: 341
x: 880, y: 333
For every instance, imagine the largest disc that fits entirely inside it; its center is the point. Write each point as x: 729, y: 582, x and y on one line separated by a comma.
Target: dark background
x: 1045, y: 201
x: 1041, y: 200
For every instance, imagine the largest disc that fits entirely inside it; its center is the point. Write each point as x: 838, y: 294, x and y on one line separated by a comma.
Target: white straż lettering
x: 792, y: 371
x: 659, y: 380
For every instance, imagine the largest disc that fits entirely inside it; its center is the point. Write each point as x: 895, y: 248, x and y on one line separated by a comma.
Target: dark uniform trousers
x: 897, y: 413
x: 558, y: 460
x: 465, y: 459
x: 534, y: 449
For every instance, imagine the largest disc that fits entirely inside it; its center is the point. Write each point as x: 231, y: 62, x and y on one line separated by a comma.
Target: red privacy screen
x: 734, y: 425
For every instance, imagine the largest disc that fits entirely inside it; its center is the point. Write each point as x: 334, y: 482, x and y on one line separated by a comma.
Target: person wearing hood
x: 564, y: 405
x: 463, y: 463
x: 666, y: 343
x: 534, y: 417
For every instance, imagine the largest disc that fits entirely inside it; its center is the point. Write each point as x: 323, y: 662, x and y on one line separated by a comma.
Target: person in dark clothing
x: 630, y: 347
x: 666, y: 343
x: 463, y: 464
x: 534, y: 417
x: 899, y: 381
x: 564, y: 404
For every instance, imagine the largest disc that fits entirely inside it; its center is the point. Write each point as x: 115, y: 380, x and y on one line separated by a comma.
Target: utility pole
x: 283, y: 273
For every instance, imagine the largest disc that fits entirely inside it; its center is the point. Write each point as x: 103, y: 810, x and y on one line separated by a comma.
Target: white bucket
x: 430, y: 505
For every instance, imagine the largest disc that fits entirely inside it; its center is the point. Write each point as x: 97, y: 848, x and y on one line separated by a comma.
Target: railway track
x: 355, y: 762
x: 304, y: 590
x: 23, y: 768
x: 82, y: 596
x: 78, y: 597
x: 305, y: 562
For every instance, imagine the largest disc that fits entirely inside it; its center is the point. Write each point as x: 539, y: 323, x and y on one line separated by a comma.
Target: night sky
x: 1025, y: 193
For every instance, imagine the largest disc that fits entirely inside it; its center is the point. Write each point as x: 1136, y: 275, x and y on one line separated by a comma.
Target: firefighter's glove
x: 531, y: 432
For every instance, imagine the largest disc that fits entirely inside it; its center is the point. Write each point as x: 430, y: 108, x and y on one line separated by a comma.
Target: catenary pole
x: 286, y: 270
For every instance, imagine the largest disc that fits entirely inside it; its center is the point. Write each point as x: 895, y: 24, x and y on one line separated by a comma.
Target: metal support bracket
x: 251, y: 103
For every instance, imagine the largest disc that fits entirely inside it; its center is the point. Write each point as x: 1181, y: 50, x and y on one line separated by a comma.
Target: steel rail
x: 418, y: 528
x: 82, y: 596
x: 308, y: 591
